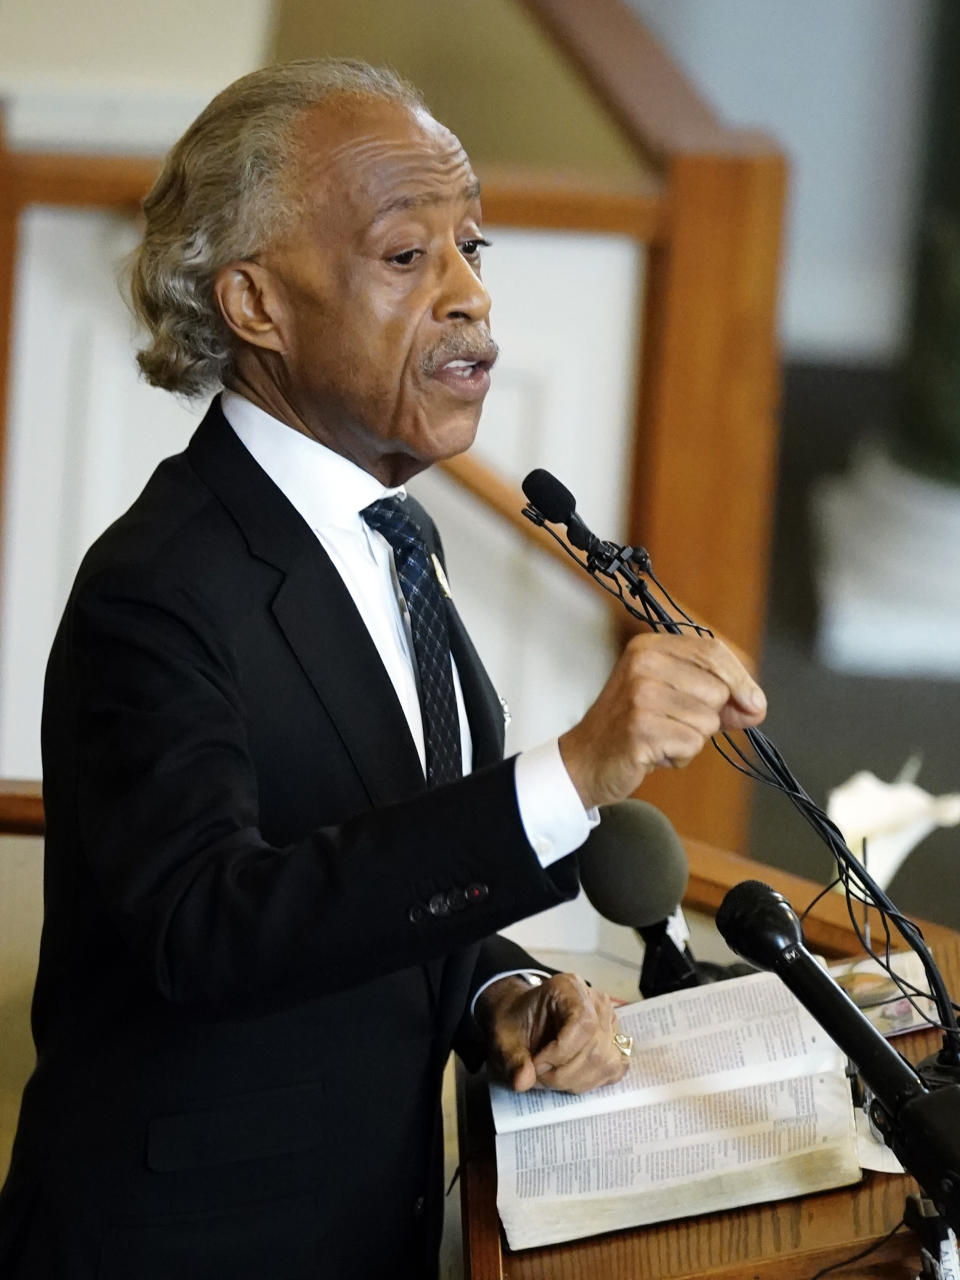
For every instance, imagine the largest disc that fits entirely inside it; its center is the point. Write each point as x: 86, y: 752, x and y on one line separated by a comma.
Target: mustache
x: 473, y: 344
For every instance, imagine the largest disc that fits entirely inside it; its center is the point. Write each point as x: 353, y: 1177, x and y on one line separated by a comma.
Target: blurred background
x: 726, y: 282
x: 824, y: 432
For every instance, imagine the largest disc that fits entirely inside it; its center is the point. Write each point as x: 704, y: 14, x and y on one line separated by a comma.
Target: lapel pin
x: 441, y: 576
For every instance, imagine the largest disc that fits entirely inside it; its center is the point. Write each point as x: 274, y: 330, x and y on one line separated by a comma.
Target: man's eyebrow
x: 470, y: 192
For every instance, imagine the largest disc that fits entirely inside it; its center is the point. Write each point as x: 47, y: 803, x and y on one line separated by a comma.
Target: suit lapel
x: 484, y: 709
x: 326, y: 633
x: 316, y: 613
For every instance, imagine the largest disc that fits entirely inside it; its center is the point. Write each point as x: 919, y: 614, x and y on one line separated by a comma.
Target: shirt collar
x: 324, y: 487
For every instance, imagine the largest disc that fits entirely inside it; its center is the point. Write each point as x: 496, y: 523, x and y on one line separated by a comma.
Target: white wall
x: 83, y: 435
x: 840, y: 83
x: 185, y: 44
x: 103, y: 75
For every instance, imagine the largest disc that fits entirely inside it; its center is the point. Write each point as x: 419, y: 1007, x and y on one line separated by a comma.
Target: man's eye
x: 405, y: 259
x: 471, y: 248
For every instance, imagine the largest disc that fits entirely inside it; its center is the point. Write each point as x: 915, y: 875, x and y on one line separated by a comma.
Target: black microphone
x: 557, y: 504
x: 553, y: 499
x: 550, y: 500
x: 633, y: 869
x: 918, y: 1113
x: 760, y: 925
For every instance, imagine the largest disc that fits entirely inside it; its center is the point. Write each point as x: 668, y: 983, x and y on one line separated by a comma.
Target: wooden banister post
x: 704, y: 467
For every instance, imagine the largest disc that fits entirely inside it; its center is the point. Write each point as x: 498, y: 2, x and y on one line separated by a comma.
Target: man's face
x: 386, y: 348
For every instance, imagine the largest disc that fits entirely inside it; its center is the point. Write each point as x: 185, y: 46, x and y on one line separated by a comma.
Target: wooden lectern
x: 786, y: 1240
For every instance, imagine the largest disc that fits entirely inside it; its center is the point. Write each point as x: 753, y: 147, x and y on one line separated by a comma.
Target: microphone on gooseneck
x: 633, y: 869
x: 550, y: 502
x: 556, y: 503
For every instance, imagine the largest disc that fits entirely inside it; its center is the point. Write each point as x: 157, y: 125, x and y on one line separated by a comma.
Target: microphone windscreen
x: 549, y: 496
x: 758, y: 923
x: 633, y: 867
x: 741, y: 901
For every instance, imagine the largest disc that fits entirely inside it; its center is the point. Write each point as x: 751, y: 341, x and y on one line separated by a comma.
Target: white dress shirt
x: 329, y: 492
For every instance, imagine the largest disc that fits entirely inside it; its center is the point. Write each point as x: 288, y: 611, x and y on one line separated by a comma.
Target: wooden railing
x: 709, y: 216
x: 21, y: 807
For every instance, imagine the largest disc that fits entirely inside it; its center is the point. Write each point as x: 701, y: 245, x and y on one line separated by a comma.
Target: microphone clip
x: 608, y: 558
x: 613, y: 560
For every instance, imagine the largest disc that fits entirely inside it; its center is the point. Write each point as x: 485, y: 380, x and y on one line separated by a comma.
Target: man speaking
x: 280, y: 832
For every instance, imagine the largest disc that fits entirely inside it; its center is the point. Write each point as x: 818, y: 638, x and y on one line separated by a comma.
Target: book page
x: 743, y: 1031
x: 673, y: 1158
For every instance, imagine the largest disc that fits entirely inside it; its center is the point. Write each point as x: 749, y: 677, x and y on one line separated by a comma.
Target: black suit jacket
x: 261, y: 932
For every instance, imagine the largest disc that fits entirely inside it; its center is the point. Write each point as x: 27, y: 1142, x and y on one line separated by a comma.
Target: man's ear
x: 250, y: 303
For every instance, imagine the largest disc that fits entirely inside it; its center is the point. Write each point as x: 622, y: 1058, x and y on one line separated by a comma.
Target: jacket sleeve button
x: 437, y: 906
x: 477, y: 892
x: 417, y: 913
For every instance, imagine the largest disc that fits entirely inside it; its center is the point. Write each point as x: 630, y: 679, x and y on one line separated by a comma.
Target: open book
x: 734, y: 1095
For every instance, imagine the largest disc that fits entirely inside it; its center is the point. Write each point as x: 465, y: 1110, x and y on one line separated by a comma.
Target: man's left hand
x: 559, y: 1034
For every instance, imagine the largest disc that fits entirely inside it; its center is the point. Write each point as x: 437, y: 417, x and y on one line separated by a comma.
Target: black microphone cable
x: 622, y: 572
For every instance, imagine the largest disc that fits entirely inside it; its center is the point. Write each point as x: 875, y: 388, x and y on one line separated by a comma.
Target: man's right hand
x: 666, y: 696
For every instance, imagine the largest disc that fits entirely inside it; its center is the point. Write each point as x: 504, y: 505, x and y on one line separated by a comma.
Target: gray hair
x: 219, y: 199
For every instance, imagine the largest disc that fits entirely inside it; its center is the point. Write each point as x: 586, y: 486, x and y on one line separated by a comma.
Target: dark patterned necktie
x: 431, y: 641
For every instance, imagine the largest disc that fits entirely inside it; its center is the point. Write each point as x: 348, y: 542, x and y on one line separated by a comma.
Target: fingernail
x: 756, y: 699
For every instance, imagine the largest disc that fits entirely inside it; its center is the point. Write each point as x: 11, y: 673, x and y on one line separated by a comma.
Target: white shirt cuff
x: 553, y: 816
x: 534, y: 976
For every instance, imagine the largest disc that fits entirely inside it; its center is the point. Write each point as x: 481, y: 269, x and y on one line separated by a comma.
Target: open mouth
x: 465, y: 368
x: 470, y: 378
